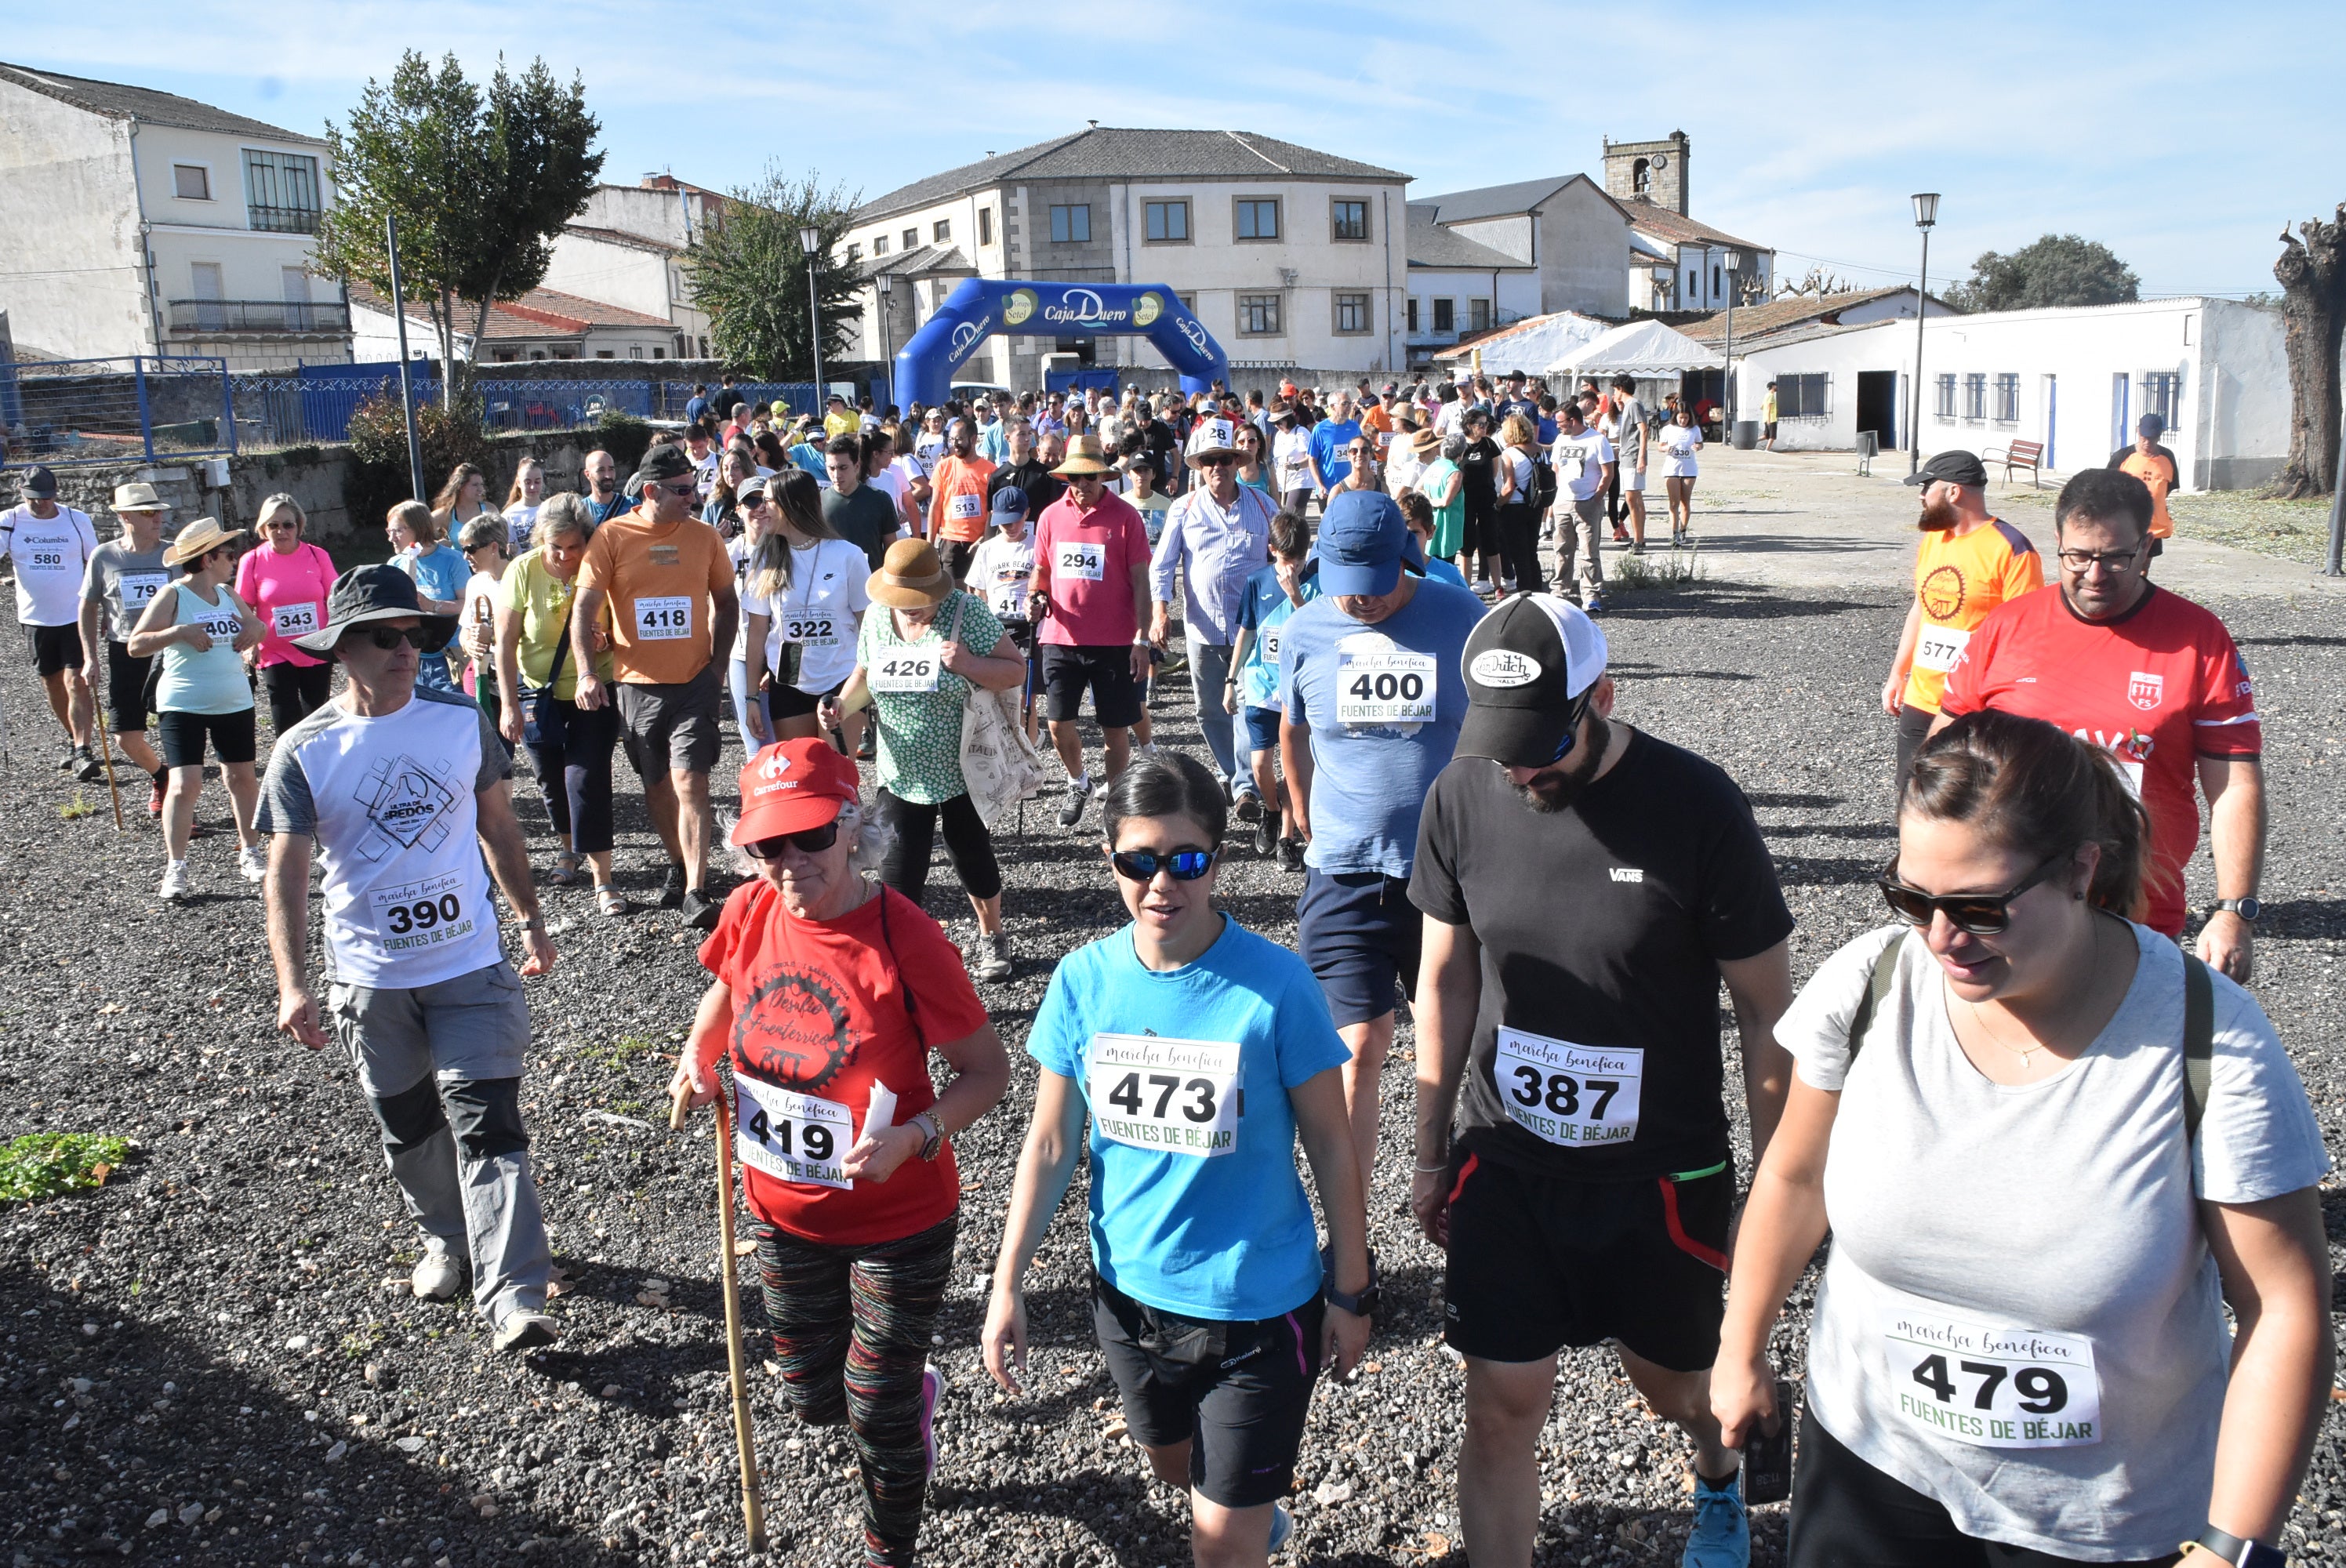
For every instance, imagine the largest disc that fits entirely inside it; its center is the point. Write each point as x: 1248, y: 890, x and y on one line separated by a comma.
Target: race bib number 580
x: 1991, y: 1387
x: 1576, y: 1096
x: 1165, y: 1096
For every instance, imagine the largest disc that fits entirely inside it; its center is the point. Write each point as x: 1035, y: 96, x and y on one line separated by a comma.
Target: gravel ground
x: 214, y: 1359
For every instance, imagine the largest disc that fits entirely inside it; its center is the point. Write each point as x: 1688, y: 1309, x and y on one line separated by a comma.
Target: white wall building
x: 543, y: 324
x: 1565, y: 227
x: 140, y: 223
x: 626, y: 247
x: 1459, y: 286
x: 2075, y: 380
x: 1291, y: 258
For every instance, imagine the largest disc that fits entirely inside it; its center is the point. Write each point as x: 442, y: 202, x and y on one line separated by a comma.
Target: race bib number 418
x: 1167, y: 1097
x: 664, y: 617
x: 1991, y: 1387
x: 1575, y: 1096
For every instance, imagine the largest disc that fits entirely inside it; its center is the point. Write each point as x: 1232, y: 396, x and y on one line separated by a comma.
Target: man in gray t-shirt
x: 122, y: 575
x: 1630, y: 438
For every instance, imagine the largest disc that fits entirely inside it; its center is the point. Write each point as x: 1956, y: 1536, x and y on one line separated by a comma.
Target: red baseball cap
x: 791, y: 786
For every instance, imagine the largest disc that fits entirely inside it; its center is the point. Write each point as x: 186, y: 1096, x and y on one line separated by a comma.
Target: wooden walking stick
x: 753, y: 1513
x: 105, y: 749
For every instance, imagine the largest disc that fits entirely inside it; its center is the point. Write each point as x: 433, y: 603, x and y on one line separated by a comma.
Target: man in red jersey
x: 2150, y: 677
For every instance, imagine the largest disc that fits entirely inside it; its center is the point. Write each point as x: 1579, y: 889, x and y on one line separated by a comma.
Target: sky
x: 2183, y: 146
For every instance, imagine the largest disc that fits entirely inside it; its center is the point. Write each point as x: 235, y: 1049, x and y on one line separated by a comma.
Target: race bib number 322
x: 1991, y: 1387
x: 1166, y: 1096
x: 1575, y: 1096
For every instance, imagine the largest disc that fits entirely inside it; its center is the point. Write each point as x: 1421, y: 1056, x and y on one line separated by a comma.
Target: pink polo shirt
x: 287, y: 589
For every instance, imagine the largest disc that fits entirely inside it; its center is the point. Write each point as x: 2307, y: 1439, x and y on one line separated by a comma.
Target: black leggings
x: 295, y: 691
x: 1913, y: 728
x: 1515, y: 532
x: 968, y: 846
x: 1481, y: 538
x: 574, y: 772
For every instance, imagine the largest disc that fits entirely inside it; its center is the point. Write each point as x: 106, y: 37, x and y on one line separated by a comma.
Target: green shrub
x: 378, y: 476
x: 43, y: 1164
x: 626, y: 437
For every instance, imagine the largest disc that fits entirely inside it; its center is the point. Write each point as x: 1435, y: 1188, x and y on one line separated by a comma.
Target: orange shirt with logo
x: 957, y: 499
x: 660, y: 581
x: 2157, y: 473
x: 1958, y: 581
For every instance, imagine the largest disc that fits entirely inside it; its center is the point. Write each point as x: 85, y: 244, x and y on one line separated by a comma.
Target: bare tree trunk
x: 2312, y: 276
x: 443, y: 322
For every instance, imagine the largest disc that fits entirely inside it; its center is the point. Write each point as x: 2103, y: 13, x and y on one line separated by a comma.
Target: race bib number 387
x: 1165, y: 1096
x: 1991, y: 1387
x: 1576, y: 1096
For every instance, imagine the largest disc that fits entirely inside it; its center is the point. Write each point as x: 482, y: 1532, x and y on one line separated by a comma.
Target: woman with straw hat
x: 915, y: 667
x: 198, y: 629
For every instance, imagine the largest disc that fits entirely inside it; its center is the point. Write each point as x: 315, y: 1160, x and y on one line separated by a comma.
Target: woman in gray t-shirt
x: 2019, y: 1338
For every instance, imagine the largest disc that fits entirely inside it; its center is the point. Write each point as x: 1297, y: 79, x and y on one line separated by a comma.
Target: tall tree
x: 481, y: 184
x: 2313, y: 273
x: 2057, y: 270
x: 748, y: 271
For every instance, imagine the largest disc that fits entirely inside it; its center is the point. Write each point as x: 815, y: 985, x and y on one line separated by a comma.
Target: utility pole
x: 406, y: 397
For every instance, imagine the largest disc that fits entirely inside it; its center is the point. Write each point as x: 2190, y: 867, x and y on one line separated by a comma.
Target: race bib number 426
x: 1991, y: 1387
x: 906, y: 670
x: 1575, y: 1096
x: 791, y: 1137
x: 414, y: 917
x: 1167, y: 1097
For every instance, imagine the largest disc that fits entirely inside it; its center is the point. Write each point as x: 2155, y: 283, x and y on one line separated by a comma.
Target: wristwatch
x: 933, y: 1135
x: 2240, y: 1554
x: 2247, y: 909
x: 1360, y: 1303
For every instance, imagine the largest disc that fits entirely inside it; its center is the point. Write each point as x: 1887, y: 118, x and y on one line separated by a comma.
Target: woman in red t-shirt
x: 829, y: 993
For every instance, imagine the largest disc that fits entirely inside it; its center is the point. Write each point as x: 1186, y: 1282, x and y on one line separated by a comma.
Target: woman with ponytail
x: 2050, y: 1148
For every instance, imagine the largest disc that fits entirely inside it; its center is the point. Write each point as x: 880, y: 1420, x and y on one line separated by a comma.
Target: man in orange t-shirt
x: 669, y: 587
x: 2156, y: 466
x: 957, y: 499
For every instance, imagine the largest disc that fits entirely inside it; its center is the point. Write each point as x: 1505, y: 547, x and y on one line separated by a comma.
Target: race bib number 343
x: 1575, y: 1096
x: 1991, y: 1387
x: 789, y: 1137
x: 1165, y: 1096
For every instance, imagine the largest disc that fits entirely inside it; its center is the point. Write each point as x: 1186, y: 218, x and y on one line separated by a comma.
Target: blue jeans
x: 1210, y: 671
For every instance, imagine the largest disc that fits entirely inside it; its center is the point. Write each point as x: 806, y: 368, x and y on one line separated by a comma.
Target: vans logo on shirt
x: 1628, y: 874
x: 2146, y: 690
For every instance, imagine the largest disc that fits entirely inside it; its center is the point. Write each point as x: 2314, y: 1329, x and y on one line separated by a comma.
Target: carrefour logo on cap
x: 1018, y: 307
x: 773, y: 765
x: 1503, y: 668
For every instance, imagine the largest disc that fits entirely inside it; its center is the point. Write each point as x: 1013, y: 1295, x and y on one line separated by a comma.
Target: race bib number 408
x: 1991, y: 1387
x: 1575, y: 1096
x: 789, y: 1137
x: 414, y: 917
x: 1166, y: 1096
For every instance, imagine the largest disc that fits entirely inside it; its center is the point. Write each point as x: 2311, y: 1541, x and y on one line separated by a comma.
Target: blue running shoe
x: 1721, y: 1537
x: 1282, y: 1525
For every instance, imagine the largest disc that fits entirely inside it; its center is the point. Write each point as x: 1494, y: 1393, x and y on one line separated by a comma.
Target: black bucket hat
x: 366, y: 593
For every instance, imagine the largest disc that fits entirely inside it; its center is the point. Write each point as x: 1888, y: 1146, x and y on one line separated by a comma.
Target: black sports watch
x: 2247, y: 909
x: 1361, y: 1304
x: 2238, y: 1553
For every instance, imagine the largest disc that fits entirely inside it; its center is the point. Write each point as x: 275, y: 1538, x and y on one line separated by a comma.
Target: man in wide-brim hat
x: 400, y: 790
x: 123, y: 575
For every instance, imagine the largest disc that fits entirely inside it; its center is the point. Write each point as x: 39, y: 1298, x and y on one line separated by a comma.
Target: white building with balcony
x: 140, y: 223
x: 626, y: 247
x: 1459, y: 287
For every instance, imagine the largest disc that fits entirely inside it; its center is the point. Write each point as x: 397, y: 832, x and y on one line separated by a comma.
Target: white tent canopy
x: 1640, y: 349
x: 1526, y: 347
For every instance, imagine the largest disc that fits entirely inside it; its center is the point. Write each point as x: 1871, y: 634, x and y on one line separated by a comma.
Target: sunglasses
x: 1142, y: 865
x: 683, y: 487
x: 1981, y: 914
x: 806, y: 840
x: 386, y: 639
x: 754, y: 503
x: 1215, y: 459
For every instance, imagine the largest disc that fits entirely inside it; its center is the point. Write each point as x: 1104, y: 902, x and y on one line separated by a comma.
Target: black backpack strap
x: 1877, y: 989
x: 2198, y: 1042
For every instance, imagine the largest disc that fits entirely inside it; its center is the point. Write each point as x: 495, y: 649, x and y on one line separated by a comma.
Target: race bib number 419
x: 1575, y: 1096
x: 1167, y: 1097
x: 791, y: 1137
x: 1991, y: 1387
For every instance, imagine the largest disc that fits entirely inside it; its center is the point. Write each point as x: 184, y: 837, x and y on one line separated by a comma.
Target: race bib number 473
x: 1991, y: 1387
x: 1167, y: 1097
x: 1575, y: 1096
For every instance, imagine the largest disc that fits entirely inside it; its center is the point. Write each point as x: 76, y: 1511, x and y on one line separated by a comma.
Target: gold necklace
x: 2026, y: 1063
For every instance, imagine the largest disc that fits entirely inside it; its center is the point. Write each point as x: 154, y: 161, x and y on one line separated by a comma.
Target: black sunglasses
x: 1982, y: 914
x: 1142, y: 865
x: 806, y: 840
x: 389, y: 637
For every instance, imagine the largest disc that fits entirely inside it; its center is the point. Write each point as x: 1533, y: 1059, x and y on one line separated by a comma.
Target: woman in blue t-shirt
x: 1209, y: 1296
x: 440, y: 573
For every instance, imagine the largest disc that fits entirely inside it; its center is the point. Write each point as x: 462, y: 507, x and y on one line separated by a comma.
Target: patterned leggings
x: 851, y: 1330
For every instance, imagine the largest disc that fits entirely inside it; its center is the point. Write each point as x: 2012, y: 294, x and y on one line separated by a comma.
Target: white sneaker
x: 252, y: 865
x: 440, y: 1275
x: 175, y: 887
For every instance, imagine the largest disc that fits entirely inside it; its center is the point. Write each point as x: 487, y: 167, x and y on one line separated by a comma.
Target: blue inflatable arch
x: 982, y: 307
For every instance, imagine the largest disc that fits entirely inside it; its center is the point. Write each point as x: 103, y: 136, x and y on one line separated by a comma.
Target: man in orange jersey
x: 957, y: 499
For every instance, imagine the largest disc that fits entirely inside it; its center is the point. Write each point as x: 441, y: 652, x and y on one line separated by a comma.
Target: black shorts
x: 1108, y: 671
x: 1538, y: 1262
x: 670, y: 728
x: 1846, y: 1511
x: 958, y: 554
x: 1236, y: 1394
x: 233, y: 737
x: 789, y: 702
x: 54, y: 648
x: 1361, y: 935
x: 125, y: 689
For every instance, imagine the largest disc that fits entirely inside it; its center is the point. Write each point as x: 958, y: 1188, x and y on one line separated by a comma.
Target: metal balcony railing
x: 282, y: 219
x: 258, y: 316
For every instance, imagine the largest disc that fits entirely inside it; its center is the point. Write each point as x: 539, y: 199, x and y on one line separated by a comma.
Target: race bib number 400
x: 907, y: 670
x: 1576, y: 1096
x: 1938, y: 647
x: 1086, y: 562
x: 1991, y: 1387
x: 295, y: 620
x: 664, y: 617
x: 789, y: 1137
x: 1166, y: 1096
x: 414, y: 917
x: 1381, y: 689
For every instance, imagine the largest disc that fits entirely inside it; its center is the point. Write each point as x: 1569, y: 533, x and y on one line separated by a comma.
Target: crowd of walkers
x: 2076, y: 1304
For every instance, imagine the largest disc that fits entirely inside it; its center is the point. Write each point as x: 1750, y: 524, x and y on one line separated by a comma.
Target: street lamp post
x: 1926, y: 214
x: 811, y: 242
x: 1733, y: 262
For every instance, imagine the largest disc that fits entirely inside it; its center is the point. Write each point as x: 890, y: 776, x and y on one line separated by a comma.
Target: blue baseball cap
x: 1363, y: 543
x: 1009, y: 501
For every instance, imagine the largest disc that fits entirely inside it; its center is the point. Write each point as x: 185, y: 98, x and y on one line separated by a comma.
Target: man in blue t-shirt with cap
x: 1369, y: 681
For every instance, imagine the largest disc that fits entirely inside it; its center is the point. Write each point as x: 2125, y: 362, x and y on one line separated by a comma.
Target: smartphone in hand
x: 1768, y: 1453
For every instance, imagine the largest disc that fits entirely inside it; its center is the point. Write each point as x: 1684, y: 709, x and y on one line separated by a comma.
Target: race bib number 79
x: 1991, y: 1387
x: 1165, y: 1096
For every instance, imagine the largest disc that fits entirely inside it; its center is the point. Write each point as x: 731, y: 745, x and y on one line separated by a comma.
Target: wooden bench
x: 2029, y: 454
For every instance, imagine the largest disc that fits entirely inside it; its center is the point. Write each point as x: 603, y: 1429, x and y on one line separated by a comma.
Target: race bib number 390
x: 1991, y: 1387
x: 1167, y: 1097
x: 789, y: 1137
x: 1575, y: 1096
x: 416, y: 917
x: 664, y: 617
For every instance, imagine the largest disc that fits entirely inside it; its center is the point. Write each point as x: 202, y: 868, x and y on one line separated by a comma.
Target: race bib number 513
x: 1991, y: 1387
x: 1165, y: 1096
x: 1575, y: 1096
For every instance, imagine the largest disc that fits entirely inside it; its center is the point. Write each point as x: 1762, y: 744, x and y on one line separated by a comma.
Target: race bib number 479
x: 1575, y: 1096
x: 1167, y: 1097
x: 1991, y: 1387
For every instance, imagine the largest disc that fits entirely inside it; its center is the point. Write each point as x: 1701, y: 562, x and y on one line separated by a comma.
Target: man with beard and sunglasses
x: 1585, y: 888
x: 1967, y: 563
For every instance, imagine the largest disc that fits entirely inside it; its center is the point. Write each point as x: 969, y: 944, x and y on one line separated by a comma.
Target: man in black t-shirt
x: 1585, y: 887
x: 1028, y: 470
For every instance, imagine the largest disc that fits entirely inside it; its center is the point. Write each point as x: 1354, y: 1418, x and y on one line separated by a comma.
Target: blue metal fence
x: 138, y: 408
x: 316, y: 403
